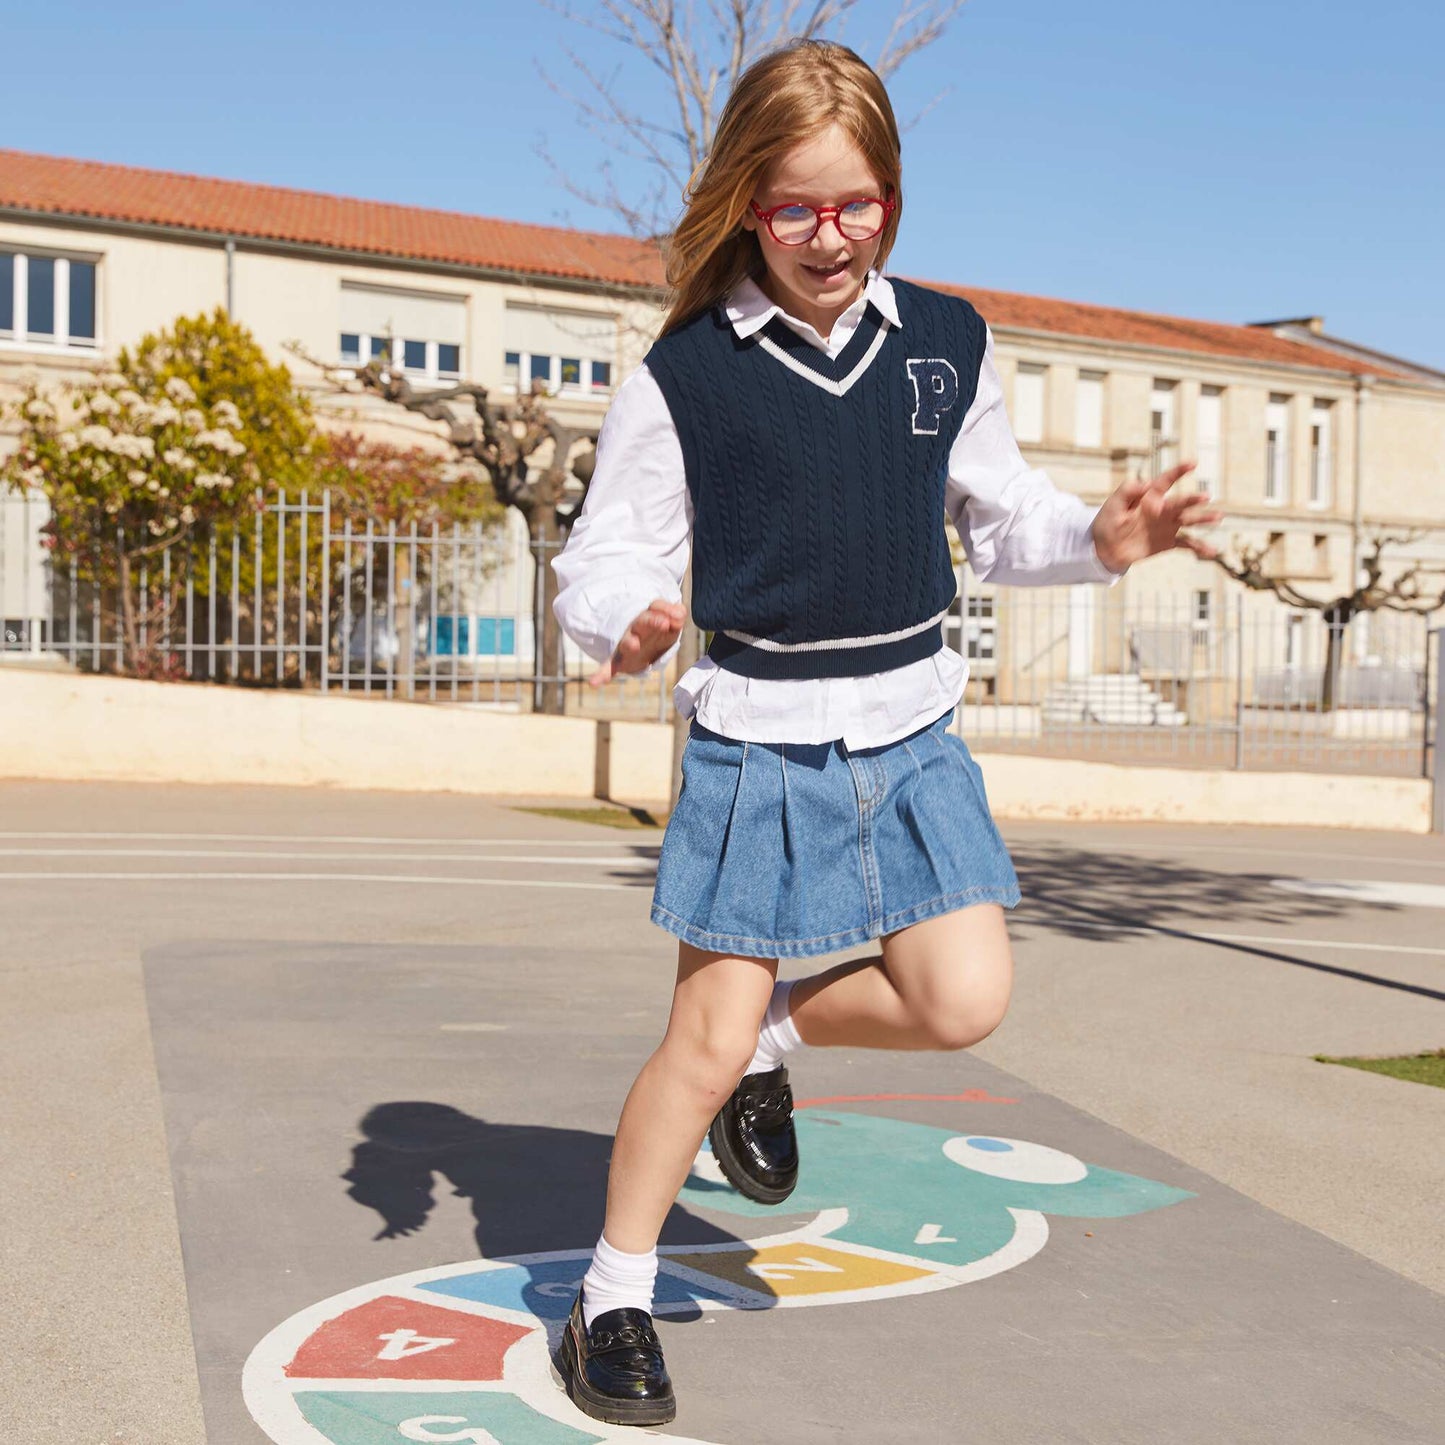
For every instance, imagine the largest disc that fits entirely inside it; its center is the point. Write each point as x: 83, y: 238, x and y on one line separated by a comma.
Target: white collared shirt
x: 630, y: 546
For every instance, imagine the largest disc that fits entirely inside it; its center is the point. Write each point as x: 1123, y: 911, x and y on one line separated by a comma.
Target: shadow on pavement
x: 1081, y: 894
x: 532, y: 1188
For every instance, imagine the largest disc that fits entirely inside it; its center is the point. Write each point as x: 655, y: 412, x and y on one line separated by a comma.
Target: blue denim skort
x: 783, y: 850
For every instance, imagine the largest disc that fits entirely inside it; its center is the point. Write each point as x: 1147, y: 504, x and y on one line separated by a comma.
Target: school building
x: 1310, y: 442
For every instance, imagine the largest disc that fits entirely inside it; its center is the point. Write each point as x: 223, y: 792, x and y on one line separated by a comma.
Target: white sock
x: 617, y: 1281
x: 779, y: 1034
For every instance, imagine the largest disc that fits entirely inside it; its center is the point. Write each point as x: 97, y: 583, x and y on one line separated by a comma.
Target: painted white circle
x: 1016, y: 1159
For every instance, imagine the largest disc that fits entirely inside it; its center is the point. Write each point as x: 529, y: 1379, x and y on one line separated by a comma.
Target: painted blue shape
x: 545, y: 1289
x: 994, y: 1146
x: 357, y: 1417
x: 893, y: 1178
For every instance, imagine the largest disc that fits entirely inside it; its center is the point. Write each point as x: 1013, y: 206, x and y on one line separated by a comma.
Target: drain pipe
x: 1357, y: 514
x: 230, y: 277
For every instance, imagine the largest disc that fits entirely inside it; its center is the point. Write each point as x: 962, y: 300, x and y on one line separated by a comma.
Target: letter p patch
x: 935, y: 389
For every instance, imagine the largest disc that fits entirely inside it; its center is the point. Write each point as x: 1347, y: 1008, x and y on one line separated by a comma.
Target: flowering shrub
x: 127, y: 473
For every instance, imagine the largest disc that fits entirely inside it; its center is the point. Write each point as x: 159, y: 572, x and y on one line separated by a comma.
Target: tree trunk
x: 130, y: 632
x: 547, y: 697
x: 1336, y: 621
x: 401, y: 620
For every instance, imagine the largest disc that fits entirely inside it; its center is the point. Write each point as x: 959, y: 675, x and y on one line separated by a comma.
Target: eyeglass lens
x: 858, y: 220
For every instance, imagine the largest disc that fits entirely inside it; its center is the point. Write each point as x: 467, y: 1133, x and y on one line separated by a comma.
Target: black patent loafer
x: 753, y: 1138
x: 614, y: 1372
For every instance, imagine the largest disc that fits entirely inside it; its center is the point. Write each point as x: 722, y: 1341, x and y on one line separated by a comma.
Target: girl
x: 805, y: 424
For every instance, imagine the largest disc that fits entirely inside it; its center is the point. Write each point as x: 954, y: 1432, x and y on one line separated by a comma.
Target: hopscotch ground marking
x: 527, y: 1370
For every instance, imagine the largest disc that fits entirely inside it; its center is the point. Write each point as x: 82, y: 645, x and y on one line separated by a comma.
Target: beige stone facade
x: 1310, y: 445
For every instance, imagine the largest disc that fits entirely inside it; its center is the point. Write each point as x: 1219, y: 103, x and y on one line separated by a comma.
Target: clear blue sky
x: 1236, y: 160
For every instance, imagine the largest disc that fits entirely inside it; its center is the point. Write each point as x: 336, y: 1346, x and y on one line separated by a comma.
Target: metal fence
x: 1213, y: 679
x: 302, y: 598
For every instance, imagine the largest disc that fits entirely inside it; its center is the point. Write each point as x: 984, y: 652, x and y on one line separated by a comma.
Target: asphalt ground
x: 1140, y: 1211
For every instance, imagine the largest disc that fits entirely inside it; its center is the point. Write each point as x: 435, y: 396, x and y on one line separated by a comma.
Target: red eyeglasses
x: 795, y: 224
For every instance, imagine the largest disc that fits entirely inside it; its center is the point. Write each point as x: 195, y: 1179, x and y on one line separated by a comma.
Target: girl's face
x: 819, y: 280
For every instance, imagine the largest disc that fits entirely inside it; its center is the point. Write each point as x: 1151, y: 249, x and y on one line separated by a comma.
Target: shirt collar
x: 749, y: 309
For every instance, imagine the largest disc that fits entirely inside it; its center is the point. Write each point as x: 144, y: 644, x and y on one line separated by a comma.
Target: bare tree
x: 696, y: 50
x: 1404, y: 592
x: 522, y: 450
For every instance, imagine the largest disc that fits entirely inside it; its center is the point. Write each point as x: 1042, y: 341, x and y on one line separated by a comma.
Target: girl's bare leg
x: 940, y: 984
x: 717, y: 1009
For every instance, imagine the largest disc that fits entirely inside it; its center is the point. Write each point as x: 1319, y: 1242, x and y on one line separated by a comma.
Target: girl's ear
x: 749, y: 221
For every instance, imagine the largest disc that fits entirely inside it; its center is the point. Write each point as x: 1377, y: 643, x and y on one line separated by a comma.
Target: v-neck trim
x: 833, y: 374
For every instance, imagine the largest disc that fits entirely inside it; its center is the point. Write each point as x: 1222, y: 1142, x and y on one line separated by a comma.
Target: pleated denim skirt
x: 783, y: 850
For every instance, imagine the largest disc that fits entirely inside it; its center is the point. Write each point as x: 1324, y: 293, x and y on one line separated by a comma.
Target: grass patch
x: 1417, y: 1068
x: 602, y: 817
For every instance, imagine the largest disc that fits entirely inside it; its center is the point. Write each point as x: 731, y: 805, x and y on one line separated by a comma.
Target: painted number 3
x: 935, y: 389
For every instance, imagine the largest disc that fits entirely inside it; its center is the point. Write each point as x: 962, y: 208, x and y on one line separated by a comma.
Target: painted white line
x: 199, y: 876
x: 329, y: 838
x: 1183, y: 850
x: 1146, y: 931
x: 473, y: 1028
x: 1368, y: 890
x: 591, y: 861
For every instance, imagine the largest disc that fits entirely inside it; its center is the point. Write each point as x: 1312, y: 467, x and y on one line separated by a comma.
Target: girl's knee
x: 960, y: 1022
x: 712, y: 1061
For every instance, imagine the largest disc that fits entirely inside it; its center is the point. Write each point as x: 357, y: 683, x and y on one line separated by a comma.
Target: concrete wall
x: 72, y: 727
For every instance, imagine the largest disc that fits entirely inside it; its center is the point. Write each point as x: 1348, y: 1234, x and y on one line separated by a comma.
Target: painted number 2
x: 419, y: 1428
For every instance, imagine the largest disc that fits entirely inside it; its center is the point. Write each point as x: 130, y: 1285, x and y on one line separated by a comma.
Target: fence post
x: 1239, y: 683
x: 1437, y: 792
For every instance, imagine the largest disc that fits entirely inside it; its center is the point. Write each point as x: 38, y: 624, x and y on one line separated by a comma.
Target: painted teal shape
x: 356, y: 1417
x: 545, y: 1289
x: 894, y: 1179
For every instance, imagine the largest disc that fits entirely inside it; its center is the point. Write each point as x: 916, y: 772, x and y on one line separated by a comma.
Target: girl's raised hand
x: 1143, y: 518
x: 652, y: 632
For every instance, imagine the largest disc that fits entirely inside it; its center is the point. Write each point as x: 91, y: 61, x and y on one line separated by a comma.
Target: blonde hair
x: 788, y: 97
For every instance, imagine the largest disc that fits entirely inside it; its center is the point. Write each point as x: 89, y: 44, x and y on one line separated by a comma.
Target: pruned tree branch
x: 1404, y: 592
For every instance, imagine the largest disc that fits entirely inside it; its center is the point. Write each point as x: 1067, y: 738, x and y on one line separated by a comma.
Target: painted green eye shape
x: 1017, y: 1159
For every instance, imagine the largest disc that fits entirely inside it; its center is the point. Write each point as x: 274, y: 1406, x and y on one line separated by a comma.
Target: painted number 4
x: 401, y: 1344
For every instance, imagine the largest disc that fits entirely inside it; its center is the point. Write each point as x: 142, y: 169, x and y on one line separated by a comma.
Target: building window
x: 1276, y: 449
x: 1210, y: 428
x: 47, y: 300
x: 570, y: 352
x: 1203, y: 611
x: 1163, y: 426
x: 1029, y: 402
x: 421, y: 329
x: 981, y: 629
x: 1322, y: 475
x: 1089, y: 409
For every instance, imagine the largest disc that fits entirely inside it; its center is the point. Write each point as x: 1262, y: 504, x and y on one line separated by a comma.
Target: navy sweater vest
x: 817, y: 484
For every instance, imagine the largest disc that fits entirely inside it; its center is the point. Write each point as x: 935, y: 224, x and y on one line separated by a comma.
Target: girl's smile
x: 819, y: 280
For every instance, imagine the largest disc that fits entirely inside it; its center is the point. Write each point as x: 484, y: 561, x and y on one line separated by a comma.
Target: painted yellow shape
x: 787, y: 1269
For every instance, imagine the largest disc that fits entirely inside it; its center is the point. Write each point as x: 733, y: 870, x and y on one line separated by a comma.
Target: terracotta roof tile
x: 1004, y: 309
x: 274, y: 213
x: 98, y: 190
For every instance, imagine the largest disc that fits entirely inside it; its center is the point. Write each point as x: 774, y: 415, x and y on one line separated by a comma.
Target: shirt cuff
x: 1101, y: 572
